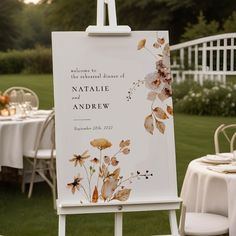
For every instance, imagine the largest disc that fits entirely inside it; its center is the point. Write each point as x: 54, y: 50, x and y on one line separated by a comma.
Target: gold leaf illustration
x: 160, y: 126
x: 95, y: 195
x: 166, y: 50
x: 170, y: 110
x: 103, y: 172
x: 122, y: 195
x: 108, y: 188
x: 114, y: 162
x: 151, y: 96
x: 148, y: 124
x: 124, y: 143
x: 160, y: 113
x: 141, y: 44
x: 126, y: 151
x: 116, y: 173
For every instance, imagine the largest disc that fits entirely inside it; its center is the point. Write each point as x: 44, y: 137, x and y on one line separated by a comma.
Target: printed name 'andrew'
x: 93, y: 106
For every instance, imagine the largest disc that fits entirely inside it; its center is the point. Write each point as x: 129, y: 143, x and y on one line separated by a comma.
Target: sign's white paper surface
x: 114, y: 118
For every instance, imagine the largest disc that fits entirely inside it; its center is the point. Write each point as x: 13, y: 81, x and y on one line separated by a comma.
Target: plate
x: 227, y: 169
x: 5, y: 118
x: 218, y: 159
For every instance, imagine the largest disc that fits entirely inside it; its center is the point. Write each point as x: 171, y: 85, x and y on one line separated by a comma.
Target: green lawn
x: 26, y: 217
x: 42, y: 84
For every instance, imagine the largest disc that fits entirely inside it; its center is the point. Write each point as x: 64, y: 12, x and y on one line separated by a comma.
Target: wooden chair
x: 228, y: 133
x: 22, y: 95
x: 202, y: 224
x: 41, y: 160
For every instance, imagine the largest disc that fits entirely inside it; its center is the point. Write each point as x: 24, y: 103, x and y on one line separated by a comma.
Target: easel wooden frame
x: 170, y: 205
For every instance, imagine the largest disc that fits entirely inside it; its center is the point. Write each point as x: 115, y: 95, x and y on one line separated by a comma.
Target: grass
x: 42, y: 84
x: 26, y: 217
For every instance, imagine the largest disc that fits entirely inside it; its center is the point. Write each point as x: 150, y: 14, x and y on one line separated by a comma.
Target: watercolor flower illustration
x: 100, y: 177
x: 158, y: 84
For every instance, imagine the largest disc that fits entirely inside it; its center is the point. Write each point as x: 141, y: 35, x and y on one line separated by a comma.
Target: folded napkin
x: 222, y: 158
x: 227, y: 169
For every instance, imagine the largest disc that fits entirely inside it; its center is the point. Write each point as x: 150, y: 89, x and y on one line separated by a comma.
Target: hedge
x: 32, y: 61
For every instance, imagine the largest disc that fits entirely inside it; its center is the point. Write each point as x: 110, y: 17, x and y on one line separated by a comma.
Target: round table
x: 17, y: 136
x: 204, y: 190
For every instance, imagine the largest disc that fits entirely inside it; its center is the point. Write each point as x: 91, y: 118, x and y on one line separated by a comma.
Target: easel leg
x: 118, y: 224
x: 62, y: 225
x: 173, y: 223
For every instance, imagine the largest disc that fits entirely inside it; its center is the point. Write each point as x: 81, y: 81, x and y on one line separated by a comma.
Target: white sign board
x: 114, y: 118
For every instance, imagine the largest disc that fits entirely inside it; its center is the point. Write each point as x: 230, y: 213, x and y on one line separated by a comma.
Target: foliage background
x: 28, y: 25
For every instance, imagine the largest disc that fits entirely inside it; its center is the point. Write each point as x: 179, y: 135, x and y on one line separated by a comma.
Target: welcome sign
x: 114, y: 118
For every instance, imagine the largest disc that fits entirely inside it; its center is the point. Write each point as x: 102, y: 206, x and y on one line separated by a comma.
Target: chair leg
x: 23, y: 181
x: 31, y: 183
x: 53, y: 176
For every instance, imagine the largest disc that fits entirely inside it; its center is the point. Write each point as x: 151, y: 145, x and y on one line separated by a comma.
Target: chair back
x: 48, y: 128
x: 228, y: 132
x: 22, y: 95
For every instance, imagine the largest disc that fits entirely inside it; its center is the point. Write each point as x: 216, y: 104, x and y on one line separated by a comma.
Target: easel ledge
x: 171, y: 205
x: 77, y: 208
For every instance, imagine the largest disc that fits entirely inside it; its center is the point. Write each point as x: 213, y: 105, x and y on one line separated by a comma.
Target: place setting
x: 221, y: 162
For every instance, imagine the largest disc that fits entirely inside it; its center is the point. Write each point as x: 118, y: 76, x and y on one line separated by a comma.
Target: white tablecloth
x: 207, y: 191
x: 17, y: 137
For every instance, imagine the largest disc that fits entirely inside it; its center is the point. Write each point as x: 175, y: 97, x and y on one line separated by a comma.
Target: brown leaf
x: 148, y: 124
x: 116, y: 173
x: 166, y: 50
x: 156, y: 45
x: 107, y: 160
x: 162, y: 96
x: 124, y: 143
x: 170, y: 110
x: 151, y: 96
x: 141, y: 44
x: 160, y: 126
x: 122, y: 195
x: 103, y: 171
x: 161, y: 40
x: 126, y: 151
x: 95, y: 195
x: 108, y: 188
x: 114, y: 162
x: 160, y: 113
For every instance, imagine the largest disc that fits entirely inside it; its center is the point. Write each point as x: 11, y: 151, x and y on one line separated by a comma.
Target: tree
x: 72, y: 15
x: 8, y: 25
x: 230, y: 23
x: 200, y: 29
x: 33, y: 27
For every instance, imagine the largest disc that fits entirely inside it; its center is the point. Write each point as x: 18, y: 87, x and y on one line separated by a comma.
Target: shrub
x: 34, y: 61
x: 213, y: 98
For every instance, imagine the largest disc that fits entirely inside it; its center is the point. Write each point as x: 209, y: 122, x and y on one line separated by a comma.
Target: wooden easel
x: 170, y: 205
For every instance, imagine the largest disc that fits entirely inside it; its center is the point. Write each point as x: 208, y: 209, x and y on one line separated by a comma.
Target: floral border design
x: 103, y: 174
x: 159, y: 85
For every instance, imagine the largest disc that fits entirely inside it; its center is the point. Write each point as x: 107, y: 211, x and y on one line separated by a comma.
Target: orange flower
x: 101, y: 143
x: 75, y: 184
x: 4, y: 100
x: 95, y: 160
x: 80, y: 158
